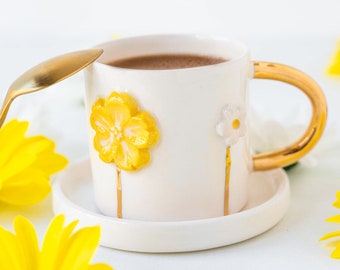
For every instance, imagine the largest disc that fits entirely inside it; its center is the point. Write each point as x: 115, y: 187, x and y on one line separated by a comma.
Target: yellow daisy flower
x: 124, y: 133
x: 26, y: 164
x: 335, y: 236
x: 61, y: 249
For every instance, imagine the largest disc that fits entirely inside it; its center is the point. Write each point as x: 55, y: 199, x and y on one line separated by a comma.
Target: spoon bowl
x: 46, y: 74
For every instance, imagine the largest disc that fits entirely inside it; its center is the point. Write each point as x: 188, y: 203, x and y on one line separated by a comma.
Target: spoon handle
x: 4, y: 109
x: 47, y: 73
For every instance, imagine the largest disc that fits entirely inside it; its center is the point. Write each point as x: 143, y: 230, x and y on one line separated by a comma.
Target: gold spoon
x: 46, y: 74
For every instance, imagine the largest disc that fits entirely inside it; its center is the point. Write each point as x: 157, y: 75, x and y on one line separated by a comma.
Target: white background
x: 262, y: 16
x: 299, y: 33
x: 45, y: 21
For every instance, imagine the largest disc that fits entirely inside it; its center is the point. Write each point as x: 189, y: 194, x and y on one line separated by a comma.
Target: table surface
x: 291, y: 244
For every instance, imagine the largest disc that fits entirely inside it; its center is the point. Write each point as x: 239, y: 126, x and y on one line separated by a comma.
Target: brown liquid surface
x: 167, y: 61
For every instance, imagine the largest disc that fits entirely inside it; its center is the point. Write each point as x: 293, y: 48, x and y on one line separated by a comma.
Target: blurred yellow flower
x: 61, y: 249
x: 337, y: 201
x: 26, y: 164
x: 335, y: 243
x: 124, y: 134
x: 334, y: 67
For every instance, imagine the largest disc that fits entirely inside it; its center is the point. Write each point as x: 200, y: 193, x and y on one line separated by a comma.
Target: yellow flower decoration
x: 61, y: 249
x: 334, y: 67
x: 334, y: 235
x: 124, y: 133
x: 26, y: 164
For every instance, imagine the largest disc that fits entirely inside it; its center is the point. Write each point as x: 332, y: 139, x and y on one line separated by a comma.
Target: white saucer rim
x: 281, y: 195
x: 58, y: 191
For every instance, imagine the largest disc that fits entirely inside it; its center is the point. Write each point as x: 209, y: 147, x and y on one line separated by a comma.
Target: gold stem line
x: 119, y: 193
x: 227, y: 180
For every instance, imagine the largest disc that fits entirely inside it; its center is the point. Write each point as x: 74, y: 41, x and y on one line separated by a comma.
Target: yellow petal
x: 100, y: 266
x: 64, y: 242
x: 56, y: 243
x: 10, y: 258
x: 119, y: 113
x: 330, y: 235
x: 332, y: 244
x: 100, y: 103
x: 124, y: 155
x: 35, y: 145
x: 26, y: 188
x: 80, y: 249
x: 46, y: 158
x: 129, y: 158
x: 148, y: 118
x: 123, y: 98
x: 143, y: 159
x: 334, y: 67
x: 153, y: 136
x: 152, y: 127
x: 50, y: 162
x: 16, y: 165
x: 100, y: 120
x: 11, y: 134
x: 35, y: 151
x: 102, y: 140
x: 337, y: 202
x: 106, y: 145
x: 50, y: 246
x: 27, y: 237
x: 336, y: 253
x: 136, y: 133
x: 335, y: 218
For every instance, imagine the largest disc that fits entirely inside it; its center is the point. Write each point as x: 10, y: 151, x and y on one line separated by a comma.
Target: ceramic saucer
x: 268, y: 202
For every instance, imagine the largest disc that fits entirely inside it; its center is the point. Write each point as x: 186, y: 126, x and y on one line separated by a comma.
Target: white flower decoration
x: 232, y: 126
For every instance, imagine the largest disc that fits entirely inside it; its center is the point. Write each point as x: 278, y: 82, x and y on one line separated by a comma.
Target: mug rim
x: 199, y: 37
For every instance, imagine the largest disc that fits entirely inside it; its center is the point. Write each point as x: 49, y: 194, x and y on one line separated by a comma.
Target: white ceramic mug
x: 172, y: 145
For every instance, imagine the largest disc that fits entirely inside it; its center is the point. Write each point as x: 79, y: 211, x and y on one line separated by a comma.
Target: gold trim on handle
x: 292, y: 153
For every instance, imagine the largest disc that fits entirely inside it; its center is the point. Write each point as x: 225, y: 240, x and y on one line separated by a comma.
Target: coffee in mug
x: 167, y: 61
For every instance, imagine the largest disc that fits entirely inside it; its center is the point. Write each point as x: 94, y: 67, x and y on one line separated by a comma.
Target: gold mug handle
x: 292, y: 153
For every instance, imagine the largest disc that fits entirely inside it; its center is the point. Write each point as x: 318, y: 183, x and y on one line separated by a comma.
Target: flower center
x: 236, y: 124
x: 117, y: 132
